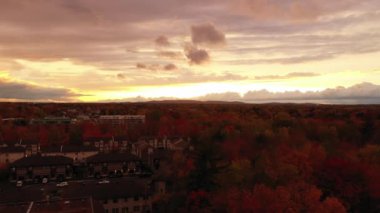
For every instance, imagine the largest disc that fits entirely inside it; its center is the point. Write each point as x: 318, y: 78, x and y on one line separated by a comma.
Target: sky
x: 229, y: 50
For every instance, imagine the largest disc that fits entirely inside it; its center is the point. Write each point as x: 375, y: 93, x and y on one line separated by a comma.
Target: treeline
x: 247, y: 158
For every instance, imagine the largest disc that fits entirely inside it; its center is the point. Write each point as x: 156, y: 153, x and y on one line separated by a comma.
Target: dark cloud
x: 170, y: 67
x: 10, y: 90
x: 162, y: 41
x: 141, y: 66
x: 196, y: 55
x: 120, y: 76
x: 287, y: 76
x: 156, y: 67
x: 207, y: 34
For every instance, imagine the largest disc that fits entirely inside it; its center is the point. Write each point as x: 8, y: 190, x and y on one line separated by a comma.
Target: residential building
x: 113, y: 164
x: 108, y: 144
x: 52, y: 120
x: 77, y: 153
x: 36, y: 167
x: 9, y: 154
x: 122, y: 119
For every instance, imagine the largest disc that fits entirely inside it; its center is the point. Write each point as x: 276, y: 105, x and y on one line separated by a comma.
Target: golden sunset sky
x: 136, y: 50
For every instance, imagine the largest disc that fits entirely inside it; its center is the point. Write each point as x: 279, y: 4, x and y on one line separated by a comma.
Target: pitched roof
x: 38, y: 160
x: 68, y: 148
x: 12, y: 149
x: 112, y: 157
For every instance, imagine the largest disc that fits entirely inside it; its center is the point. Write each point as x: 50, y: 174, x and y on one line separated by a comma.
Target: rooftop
x: 112, y: 157
x: 38, y: 160
x: 68, y: 148
x: 12, y: 149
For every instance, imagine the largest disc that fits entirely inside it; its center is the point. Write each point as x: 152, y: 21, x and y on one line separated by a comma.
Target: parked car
x: 62, y: 184
x: 19, y: 183
x: 104, y: 182
x: 44, y: 180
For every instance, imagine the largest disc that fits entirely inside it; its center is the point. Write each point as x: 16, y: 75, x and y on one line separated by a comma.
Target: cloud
x: 207, y: 34
x: 183, y: 77
x: 291, y: 10
x: 170, y: 54
x: 364, y: 93
x: 170, y: 67
x: 287, y: 76
x: 121, y: 76
x: 162, y: 41
x: 227, y: 96
x: 97, y: 33
x: 157, y: 67
x: 141, y: 66
x: 11, y: 90
x: 196, y: 55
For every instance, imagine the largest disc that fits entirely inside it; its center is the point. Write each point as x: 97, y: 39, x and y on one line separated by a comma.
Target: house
x: 130, y: 195
x: 160, y: 158
x: 141, y: 148
x: 77, y: 153
x: 119, y: 195
x: 36, y: 167
x: 15, y: 121
x: 180, y: 144
x: 52, y: 120
x: 113, y: 164
x: 9, y: 154
x: 122, y: 119
x: 107, y: 144
x: 32, y: 147
x: 173, y: 143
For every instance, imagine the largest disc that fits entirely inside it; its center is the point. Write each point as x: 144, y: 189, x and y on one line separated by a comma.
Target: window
x: 105, y: 201
x: 115, y: 210
x: 136, y: 208
x: 106, y: 210
x: 136, y: 198
x: 124, y: 210
x: 115, y: 200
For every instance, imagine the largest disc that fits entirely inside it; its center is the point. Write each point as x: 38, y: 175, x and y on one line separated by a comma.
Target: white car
x: 19, y: 183
x: 62, y: 184
x: 104, y: 182
x: 44, y: 180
